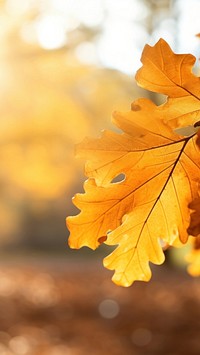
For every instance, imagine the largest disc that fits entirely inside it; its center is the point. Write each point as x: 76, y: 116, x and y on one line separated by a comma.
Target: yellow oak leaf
x: 168, y: 73
x: 157, y: 169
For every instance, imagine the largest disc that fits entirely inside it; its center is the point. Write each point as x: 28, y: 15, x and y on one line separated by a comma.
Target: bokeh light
x: 141, y: 336
x: 109, y: 309
x: 50, y: 31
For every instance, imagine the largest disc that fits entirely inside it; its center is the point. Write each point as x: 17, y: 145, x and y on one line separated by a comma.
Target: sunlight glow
x: 89, y: 12
x: 127, y: 9
x: 118, y: 48
x: 86, y: 53
x: 122, y: 28
x: 51, y: 32
x: 14, y: 7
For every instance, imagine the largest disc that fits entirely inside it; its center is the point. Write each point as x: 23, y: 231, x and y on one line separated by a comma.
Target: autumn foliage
x: 142, y: 191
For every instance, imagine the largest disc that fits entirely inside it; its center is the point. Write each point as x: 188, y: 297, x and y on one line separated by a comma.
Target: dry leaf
x: 160, y: 172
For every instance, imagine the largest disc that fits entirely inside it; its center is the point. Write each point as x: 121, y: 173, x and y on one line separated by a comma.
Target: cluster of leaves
x: 157, y: 161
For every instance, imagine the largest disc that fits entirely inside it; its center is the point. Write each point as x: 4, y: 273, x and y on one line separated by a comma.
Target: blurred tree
x: 48, y: 102
x: 56, y: 90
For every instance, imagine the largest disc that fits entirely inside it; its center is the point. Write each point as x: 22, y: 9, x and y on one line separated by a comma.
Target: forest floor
x: 64, y: 307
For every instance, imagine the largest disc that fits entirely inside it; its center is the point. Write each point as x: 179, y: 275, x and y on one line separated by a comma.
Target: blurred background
x: 65, y: 65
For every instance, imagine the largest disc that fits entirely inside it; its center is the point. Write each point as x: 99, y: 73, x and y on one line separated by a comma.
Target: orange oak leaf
x: 159, y: 167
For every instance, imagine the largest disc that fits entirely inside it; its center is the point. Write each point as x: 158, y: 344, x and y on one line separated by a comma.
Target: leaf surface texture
x: 158, y: 172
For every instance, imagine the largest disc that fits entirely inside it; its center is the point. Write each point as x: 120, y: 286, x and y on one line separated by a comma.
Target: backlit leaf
x: 160, y: 169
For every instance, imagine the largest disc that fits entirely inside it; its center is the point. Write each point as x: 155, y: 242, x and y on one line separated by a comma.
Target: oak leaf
x: 157, y: 168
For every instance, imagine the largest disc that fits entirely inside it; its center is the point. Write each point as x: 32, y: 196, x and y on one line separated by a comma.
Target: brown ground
x: 72, y: 308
